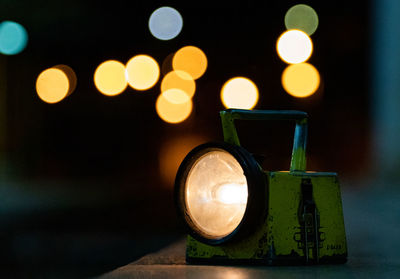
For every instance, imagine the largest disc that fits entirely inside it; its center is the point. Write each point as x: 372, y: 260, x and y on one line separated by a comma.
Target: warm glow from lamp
x: 179, y: 80
x: 216, y: 193
x: 239, y: 92
x: 109, y: 78
x: 300, y: 80
x: 294, y: 46
x: 173, y: 113
x: 172, y: 152
x: 231, y: 193
x: 302, y: 17
x: 142, y: 72
x: 52, y: 85
x: 191, y: 60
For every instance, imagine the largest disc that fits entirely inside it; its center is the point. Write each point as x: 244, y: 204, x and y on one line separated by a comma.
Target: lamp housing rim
x: 256, y: 186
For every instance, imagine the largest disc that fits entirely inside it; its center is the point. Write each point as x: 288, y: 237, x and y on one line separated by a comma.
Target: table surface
x: 372, y: 221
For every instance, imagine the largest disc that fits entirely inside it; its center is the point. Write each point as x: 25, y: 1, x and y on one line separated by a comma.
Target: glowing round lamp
x: 13, y: 38
x: 219, y: 192
x: 165, y: 23
x: 294, y: 46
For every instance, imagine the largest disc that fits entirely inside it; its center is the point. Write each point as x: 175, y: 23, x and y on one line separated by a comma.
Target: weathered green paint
x: 274, y: 241
x: 277, y: 239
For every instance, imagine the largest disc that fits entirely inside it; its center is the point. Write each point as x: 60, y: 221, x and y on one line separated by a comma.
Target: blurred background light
x: 300, y: 80
x: 109, y: 78
x: 294, y: 46
x: 172, y: 152
x: 302, y: 17
x: 166, y: 65
x: 239, y: 92
x: 56, y: 83
x: 13, y: 38
x: 142, y: 72
x: 179, y: 80
x: 191, y: 60
x: 165, y: 23
x: 173, y: 113
x: 70, y: 75
x: 176, y: 96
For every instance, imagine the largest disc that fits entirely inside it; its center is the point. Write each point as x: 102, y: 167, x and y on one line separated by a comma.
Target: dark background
x: 87, y: 182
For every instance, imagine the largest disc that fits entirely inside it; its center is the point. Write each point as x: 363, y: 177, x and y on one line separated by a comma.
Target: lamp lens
x: 216, y: 193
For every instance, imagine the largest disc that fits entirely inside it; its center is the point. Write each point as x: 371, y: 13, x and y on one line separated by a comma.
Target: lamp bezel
x: 256, y: 200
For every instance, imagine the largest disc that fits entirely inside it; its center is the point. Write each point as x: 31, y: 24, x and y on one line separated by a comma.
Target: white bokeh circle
x: 165, y: 23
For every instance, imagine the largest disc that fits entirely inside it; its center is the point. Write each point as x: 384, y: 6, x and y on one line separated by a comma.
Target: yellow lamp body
x: 303, y: 218
x: 281, y: 237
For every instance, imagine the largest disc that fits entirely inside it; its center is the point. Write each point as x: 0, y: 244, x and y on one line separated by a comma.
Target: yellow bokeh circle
x: 294, y: 46
x: 52, y: 85
x: 173, y: 113
x: 239, y: 92
x: 191, y: 60
x: 142, y: 72
x: 175, y: 96
x: 109, y: 78
x: 300, y: 80
x: 179, y: 80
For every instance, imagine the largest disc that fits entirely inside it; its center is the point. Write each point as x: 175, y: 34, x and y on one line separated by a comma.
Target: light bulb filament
x: 231, y: 193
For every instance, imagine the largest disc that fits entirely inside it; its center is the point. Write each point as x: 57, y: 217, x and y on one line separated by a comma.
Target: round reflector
x: 220, y: 192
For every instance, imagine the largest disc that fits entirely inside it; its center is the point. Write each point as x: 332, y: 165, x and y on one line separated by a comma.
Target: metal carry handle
x: 298, y: 162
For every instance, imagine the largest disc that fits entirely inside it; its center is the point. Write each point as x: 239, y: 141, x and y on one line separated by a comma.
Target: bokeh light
x: 176, y: 96
x: 56, y: 83
x: 13, y: 38
x: 166, y: 65
x: 239, y: 92
x: 300, y: 80
x: 109, y: 78
x: 294, y: 46
x: 173, y: 113
x: 142, y: 72
x: 70, y: 75
x: 179, y: 80
x: 302, y: 17
x: 191, y: 60
x: 165, y: 23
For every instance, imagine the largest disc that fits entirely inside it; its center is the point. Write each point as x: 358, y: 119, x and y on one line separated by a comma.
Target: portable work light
x: 236, y: 212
